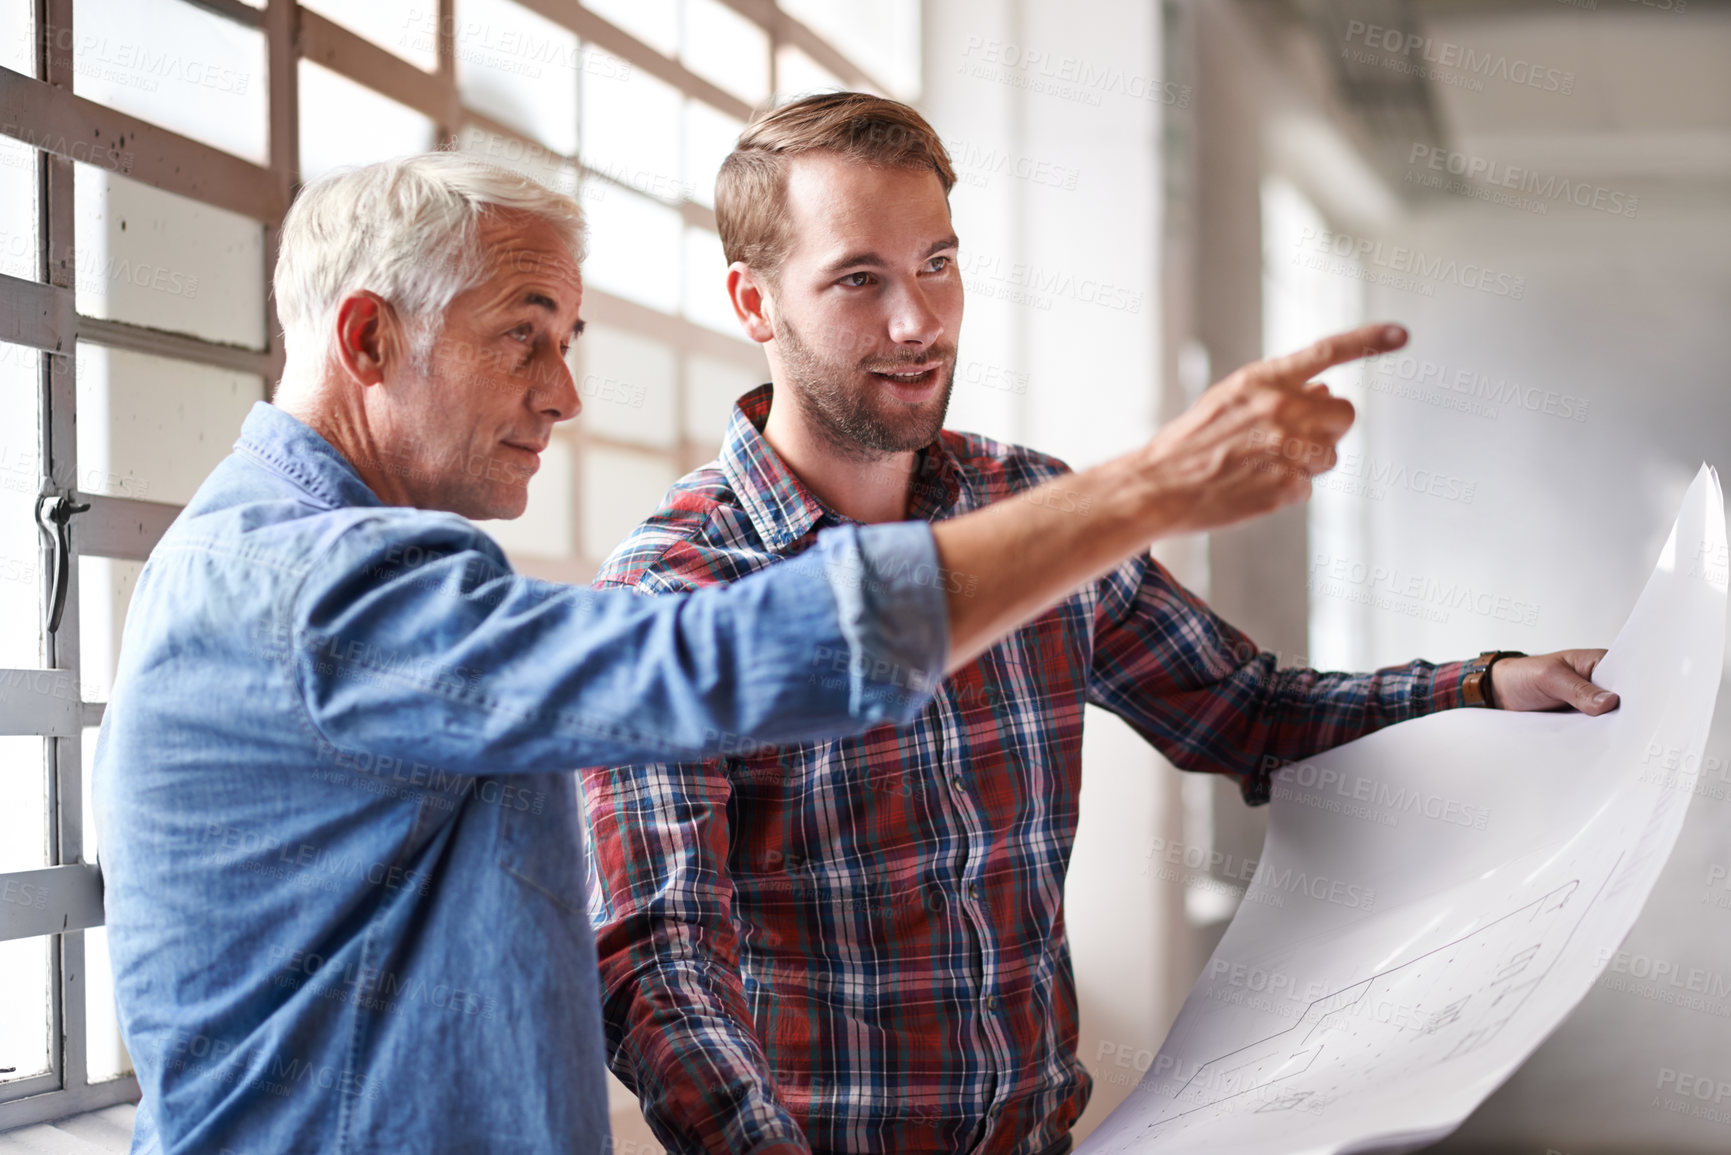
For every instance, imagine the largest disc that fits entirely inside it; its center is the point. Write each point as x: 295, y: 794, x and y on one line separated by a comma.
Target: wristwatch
x: 1476, y: 679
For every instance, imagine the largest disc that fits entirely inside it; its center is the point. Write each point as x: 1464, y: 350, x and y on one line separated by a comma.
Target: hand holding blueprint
x: 1435, y: 898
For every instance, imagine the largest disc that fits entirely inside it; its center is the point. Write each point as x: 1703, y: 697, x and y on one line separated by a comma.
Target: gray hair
x: 405, y: 229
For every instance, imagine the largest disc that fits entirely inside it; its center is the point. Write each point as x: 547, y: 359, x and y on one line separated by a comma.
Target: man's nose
x: 913, y: 321
x: 554, y: 393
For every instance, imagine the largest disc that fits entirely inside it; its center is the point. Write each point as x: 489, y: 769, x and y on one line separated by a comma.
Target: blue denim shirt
x: 339, y: 835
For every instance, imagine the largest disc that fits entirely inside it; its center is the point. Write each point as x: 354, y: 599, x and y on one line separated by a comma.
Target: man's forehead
x: 840, y: 203
x: 827, y: 182
x: 522, y: 249
x: 520, y: 231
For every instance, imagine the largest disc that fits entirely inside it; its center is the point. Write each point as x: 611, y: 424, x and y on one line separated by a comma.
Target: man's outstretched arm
x: 1250, y: 445
x: 1210, y: 699
x: 523, y: 675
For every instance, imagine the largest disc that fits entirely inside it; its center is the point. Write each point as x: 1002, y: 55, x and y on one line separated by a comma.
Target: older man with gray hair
x: 340, y: 838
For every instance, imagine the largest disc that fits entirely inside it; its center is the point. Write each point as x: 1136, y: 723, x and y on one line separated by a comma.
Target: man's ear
x: 368, y: 341
x: 751, y: 301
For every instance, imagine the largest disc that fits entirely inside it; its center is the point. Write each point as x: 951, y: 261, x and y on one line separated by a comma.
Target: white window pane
x: 19, y: 212
x: 23, y: 812
x: 176, y: 65
x: 158, y: 259
x: 797, y: 74
x: 331, y: 107
x: 629, y: 384
x: 24, y: 1010
x: 655, y: 22
x: 712, y: 386
x: 620, y: 489
x: 519, y: 68
x: 545, y: 529
x: 881, y: 36
x: 408, y: 28
x: 631, y: 126
x: 726, y: 49
x: 519, y: 155
x: 18, y: 38
x: 634, y: 246
x: 105, y: 1054
x: 20, y: 480
x: 152, y: 427
x: 709, y: 136
x: 87, y: 751
x: 105, y: 588
x: 706, y: 300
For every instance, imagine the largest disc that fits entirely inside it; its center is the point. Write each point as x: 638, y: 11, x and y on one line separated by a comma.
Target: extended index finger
x: 1295, y: 369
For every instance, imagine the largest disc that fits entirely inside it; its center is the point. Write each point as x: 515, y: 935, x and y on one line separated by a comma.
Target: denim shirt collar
x: 289, y: 447
x: 783, y: 510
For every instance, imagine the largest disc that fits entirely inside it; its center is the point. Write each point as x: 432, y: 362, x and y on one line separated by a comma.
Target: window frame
x: 44, y: 113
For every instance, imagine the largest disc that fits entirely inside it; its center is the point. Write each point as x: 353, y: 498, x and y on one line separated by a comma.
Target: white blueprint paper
x: 1435, y: 898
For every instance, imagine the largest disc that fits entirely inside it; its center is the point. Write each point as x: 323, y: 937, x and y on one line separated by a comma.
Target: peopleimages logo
x: 113, y: 158
x: 1453, y: 63
x: 1394, y: 371
x: 976, y: 164
x: 1023, y: 283
x: 1379, y: 474
x: 1411, y: 263
x: 1331, y: 786
x: 1329, y: 573
x: 1066, y: 77
x: 1541, y: 186
x: 138, y: 66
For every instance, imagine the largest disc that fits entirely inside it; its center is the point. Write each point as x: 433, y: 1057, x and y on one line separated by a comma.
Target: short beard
x: 847, y: 421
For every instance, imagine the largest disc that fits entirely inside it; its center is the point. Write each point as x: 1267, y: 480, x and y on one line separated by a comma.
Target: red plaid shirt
x: 860, y: 944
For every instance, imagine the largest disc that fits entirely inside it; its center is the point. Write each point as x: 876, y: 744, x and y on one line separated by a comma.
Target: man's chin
x: 915, y: 417
x: 500, y: 504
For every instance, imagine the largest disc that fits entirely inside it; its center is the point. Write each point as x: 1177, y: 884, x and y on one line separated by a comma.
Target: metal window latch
x: 54, y: 513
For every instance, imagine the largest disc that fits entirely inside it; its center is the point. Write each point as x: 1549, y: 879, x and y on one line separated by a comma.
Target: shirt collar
x: 782, y: 509
x: 290, y: 447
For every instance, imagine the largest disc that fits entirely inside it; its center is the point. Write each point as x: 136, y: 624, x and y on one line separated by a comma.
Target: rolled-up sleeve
x: 409, y: 615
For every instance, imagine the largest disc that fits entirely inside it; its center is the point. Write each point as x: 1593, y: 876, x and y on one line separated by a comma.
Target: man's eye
x: 857, y: 280
x: 522, y: 333
x: 939, y: 264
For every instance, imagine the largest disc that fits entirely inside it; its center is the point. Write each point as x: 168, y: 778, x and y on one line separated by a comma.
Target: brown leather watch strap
x: 1476, y: 678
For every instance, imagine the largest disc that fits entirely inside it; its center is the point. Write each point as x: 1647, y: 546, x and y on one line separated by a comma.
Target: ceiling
x: 1626, y: 90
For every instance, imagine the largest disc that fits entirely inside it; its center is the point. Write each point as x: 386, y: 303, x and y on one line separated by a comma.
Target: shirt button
x: 991, y: 1002
x: 974, y: 892
x: 956, y: 781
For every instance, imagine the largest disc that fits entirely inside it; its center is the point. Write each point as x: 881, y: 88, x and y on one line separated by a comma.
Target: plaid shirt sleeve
x: 678, y: 1029
x: 1210, y: 699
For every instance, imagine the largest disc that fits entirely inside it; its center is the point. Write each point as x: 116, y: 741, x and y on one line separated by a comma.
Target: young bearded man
x: 859, y: 945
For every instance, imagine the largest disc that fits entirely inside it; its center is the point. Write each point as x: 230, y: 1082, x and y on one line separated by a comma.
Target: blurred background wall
x: 1151, y: 193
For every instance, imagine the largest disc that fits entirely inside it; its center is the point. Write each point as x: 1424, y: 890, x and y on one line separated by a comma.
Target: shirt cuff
x: 1445, y: 687
x: 890, y: 599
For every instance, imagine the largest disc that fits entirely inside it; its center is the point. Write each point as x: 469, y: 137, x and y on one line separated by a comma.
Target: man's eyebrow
x: 869, y: 259
x: 543, y: 301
